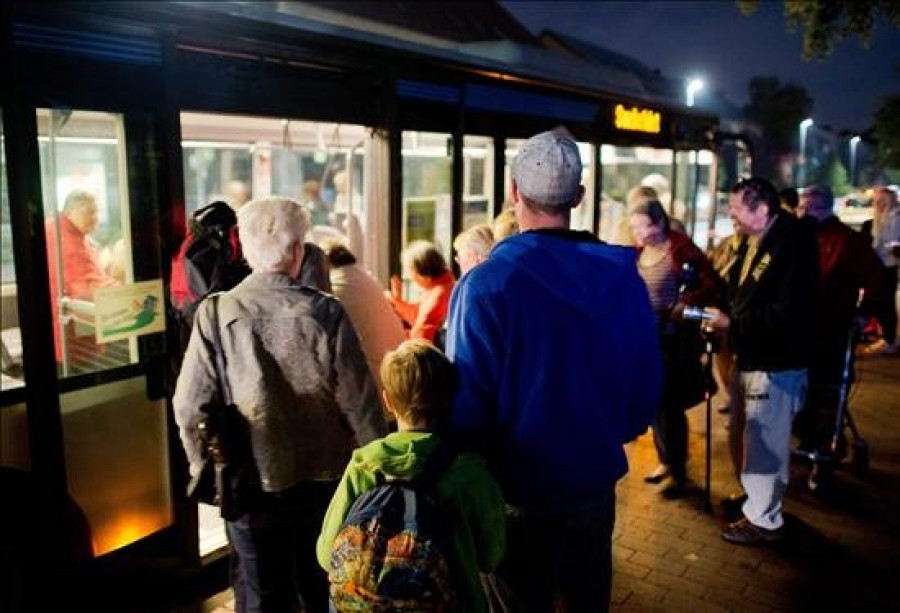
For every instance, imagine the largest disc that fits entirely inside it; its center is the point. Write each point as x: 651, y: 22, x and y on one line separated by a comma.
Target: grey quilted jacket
x: 296, y: 372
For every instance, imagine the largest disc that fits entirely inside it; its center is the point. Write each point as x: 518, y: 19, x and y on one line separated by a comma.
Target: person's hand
x: 396, y: 287
x: 719, y: 321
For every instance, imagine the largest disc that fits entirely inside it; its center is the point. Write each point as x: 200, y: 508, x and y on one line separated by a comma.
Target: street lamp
x: 693, y: 86
x: 853, y: 143
x: 804, y: 127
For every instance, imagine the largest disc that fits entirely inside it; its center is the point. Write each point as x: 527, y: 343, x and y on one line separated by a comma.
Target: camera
x: 695, y: 313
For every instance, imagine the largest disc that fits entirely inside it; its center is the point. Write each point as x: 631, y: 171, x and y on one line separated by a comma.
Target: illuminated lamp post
x: 693, y: 86
x: 804, y: 127
x: 854, y: 142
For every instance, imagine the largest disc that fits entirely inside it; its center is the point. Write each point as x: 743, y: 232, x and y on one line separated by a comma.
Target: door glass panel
x: 693, y: 202
x: 14, y: 451
x: 115, y: 441
x: 623, y: 169
x: 114, y: 436
x: 478, y: 181
x: 10, y: 335
x: 87, y: 231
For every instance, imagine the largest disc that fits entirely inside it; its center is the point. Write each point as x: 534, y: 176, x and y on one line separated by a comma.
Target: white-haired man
x: 473, y: 246
x: 559, y: 365
x: 297, y: 373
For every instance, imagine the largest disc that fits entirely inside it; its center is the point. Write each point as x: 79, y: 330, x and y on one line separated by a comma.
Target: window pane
x: 321, y: 165
x: 87, y: 231
x: 623, y: 169
x: 10, y: 336
x: 427, y: 189
x: 478, y: 181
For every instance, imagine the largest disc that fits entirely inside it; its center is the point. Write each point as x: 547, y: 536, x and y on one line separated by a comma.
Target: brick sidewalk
x: 842, y: 547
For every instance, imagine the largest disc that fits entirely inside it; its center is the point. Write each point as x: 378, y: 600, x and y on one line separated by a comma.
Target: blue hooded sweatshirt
x: 558, y: 363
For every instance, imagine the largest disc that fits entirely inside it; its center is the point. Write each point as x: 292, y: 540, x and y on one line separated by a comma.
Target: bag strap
x: 222, y: 378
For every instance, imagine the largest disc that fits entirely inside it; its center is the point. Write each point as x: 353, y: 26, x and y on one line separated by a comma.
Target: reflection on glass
x: 87, y: 230
x: 623, y: 169
x: 692, y: 204
x: 10, y: 336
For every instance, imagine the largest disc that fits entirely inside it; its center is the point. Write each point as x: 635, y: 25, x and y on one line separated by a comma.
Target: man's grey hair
x: 269, y: 228
x: 480, y: 239
x: 78, y: 198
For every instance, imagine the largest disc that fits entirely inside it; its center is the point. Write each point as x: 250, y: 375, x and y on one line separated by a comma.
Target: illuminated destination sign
x: 638, y: 119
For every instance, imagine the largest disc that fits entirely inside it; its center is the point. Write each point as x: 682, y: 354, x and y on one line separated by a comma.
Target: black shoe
x: 675, y: 490
x: 733, y: 505
x: 742, y: 532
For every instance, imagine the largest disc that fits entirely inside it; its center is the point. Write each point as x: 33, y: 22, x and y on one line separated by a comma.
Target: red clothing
x: 847, y: 263
x: 81, y: 271
x: 427, y: 316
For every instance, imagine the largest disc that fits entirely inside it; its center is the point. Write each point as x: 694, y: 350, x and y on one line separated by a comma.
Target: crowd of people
x: 549, y: 352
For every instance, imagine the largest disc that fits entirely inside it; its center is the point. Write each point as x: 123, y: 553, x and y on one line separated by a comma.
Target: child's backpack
x: 392, y: 552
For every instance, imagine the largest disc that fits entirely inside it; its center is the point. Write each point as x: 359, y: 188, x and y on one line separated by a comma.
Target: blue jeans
x: 274, y: 552
x: 560, y: 556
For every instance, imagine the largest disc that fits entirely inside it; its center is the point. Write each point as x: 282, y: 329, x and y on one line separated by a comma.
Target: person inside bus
x: 504, y: 224
x: 473, y: 246
x: 677, y: 274
x: 427, y: 268
x: 81, y: 269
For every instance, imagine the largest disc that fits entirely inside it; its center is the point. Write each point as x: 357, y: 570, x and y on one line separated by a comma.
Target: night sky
x: 716, y: 42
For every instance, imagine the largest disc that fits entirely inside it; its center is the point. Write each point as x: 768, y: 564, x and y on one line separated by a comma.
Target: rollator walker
x: 825, y: 457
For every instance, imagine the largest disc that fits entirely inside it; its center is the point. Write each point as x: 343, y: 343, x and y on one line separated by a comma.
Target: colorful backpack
x: 392, y: 551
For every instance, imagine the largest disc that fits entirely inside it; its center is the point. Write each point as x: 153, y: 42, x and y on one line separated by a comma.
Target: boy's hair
x: 419, y: 381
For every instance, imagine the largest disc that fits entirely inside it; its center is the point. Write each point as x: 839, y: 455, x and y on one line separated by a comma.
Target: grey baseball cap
x: 548, y: 169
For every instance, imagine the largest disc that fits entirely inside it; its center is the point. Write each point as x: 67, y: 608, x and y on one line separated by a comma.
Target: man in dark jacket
x: 559, y: 365
x: 772, y: 287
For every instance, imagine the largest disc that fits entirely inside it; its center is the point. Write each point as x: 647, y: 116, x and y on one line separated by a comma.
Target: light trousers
x: 760, y: 432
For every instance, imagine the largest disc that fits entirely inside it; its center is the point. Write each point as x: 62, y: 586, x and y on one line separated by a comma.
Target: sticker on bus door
x: 129, y: 310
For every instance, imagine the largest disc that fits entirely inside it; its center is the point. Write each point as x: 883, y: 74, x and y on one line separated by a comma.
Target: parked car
x: 854, y: 209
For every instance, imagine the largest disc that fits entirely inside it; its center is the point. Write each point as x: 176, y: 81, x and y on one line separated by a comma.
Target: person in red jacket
x: 428, y: 269
x: 848, y: 265
x: 81, y: 270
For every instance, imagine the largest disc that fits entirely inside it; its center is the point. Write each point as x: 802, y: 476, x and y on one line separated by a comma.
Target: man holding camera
x: 772, y: 285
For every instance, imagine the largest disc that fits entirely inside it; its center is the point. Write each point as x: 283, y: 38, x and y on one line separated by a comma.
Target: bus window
x: 87, y: 231
x: 693, y: 195
x: 478, y: 181
x: 623, y: 169
x: 427, y: 190
x: 321, y: 165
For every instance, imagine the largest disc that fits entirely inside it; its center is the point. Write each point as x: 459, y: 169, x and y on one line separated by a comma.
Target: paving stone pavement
x: 842, y: 548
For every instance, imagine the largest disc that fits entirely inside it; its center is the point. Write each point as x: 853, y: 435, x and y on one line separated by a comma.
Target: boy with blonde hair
x: 418, y: 384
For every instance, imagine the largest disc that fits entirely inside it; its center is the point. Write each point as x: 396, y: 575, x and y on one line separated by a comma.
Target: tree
x: 886, y: 131
x: 778, y: 109
x: 827, y: 22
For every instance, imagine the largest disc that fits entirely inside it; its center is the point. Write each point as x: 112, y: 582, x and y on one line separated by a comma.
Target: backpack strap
x: 222, y: 376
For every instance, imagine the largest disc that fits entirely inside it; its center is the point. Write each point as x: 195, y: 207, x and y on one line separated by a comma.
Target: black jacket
x: 771, y: 312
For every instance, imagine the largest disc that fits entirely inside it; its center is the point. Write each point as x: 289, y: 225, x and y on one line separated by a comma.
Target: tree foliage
x: 779, y: 109
x: 827, y: 22
x: 886, y: 130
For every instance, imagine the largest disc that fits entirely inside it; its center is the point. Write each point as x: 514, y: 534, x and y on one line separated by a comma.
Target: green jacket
x: 467, y: 492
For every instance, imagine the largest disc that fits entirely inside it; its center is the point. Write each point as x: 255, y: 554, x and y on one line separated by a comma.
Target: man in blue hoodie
x: 553, y: 340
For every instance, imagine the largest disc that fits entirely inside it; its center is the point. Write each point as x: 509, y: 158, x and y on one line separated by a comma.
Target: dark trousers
x: 670, y: 436
x: 562, y: 557
x: 274, y: 552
